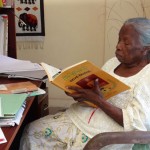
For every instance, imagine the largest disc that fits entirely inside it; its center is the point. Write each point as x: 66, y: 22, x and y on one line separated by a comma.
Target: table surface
x: 10, y: 132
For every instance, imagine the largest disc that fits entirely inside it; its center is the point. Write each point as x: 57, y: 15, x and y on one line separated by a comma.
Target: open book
x: 82, y: 75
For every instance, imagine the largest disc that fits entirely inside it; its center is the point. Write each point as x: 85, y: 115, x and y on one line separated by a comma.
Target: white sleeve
x: 111, y: 64
x: 136, y: 115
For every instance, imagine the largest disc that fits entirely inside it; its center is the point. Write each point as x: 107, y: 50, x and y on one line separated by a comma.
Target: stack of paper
x: 11, y: 108
x: 15, y: 68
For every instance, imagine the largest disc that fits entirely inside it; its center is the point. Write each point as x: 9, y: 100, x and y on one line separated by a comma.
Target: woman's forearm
x: 112, y: 111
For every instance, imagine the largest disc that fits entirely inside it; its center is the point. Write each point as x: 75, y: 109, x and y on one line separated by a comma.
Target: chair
x: 140, y: 139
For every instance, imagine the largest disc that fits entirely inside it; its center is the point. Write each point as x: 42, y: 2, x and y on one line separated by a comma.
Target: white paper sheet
x: 8, y: 64
x: 2, y: 137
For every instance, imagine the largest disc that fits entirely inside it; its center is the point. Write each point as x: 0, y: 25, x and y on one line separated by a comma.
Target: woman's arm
x: 94, y: 95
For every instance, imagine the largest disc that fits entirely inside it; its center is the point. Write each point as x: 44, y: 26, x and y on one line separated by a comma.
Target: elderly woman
x: 129, y: 110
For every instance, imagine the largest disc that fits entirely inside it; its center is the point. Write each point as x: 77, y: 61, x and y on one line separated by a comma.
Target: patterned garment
x: 53, y: 132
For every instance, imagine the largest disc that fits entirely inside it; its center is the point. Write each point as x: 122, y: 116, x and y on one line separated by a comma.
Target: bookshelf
x: 11, y: 31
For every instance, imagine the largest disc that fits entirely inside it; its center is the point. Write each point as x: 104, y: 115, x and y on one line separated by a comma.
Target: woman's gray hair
x: 142, y: 26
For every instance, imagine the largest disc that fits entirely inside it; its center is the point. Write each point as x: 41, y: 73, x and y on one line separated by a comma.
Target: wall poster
x: 30, y: 28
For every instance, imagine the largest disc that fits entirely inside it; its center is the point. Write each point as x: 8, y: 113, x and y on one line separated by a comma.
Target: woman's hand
x: 93, y: 95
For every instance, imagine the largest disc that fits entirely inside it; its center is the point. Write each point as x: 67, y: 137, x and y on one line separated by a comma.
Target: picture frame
x: 30, y: 14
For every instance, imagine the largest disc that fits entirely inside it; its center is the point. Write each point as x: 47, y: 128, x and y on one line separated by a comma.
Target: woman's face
x: 129, y: 50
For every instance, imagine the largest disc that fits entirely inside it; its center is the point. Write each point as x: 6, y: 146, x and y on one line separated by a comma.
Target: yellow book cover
x: 1, y: 3
x: 82, y: 75
x: 19, y: 87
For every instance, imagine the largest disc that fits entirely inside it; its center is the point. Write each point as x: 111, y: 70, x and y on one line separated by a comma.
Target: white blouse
x: 135, y: 105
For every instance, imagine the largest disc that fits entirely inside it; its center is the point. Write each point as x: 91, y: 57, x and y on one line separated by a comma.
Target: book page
x: 50, y: 70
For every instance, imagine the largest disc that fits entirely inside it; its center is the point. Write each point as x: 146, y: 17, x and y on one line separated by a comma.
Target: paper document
x: 33, y: 75
x: 11, y: 103
x: 2, y: 137
x: 8, y: 64
x: 38, y: 92
x: 6, y: 122
x: 15, y: 68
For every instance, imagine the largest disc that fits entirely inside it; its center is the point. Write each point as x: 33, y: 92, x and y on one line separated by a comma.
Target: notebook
x: 11, y: 103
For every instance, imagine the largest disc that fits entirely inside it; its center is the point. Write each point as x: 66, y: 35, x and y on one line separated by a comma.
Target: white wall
x: 81, y: 29
x: 74, y: 32
x: 117, y: 11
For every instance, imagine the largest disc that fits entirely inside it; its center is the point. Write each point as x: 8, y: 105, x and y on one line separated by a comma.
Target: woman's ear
x: 146, y: 50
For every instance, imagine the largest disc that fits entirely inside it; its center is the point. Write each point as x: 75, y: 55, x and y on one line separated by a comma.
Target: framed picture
x: 30, y: 18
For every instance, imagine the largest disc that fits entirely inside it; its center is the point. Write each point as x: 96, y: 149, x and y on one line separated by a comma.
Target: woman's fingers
x: 74, y: 88
x: 97, y: 87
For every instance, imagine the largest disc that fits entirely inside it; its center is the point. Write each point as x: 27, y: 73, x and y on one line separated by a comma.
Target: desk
x: 32, y: 111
